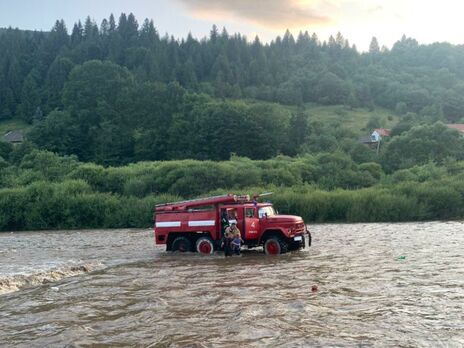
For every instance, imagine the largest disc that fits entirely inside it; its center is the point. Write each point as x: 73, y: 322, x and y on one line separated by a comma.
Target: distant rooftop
x: 458, y: 126
x: 14, y: 137
x: 366, y: 140
x: 383, y: 132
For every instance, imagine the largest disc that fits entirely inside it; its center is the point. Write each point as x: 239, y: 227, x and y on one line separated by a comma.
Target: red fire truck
x: 198, y: 225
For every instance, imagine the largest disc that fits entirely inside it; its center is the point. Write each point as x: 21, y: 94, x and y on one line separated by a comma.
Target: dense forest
x: 118, y: 92
x: 219, y: 114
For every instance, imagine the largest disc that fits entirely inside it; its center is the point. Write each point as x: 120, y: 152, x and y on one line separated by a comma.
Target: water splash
x: 13, y: 283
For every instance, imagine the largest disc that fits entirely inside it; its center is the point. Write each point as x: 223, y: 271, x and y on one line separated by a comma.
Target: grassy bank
x: 42, y: 190
x: 71, y: 205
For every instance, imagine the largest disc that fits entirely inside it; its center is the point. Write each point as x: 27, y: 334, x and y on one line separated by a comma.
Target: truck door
x: 251, y: 224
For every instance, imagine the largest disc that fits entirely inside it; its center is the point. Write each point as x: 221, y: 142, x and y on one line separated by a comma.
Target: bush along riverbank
x: 47, y: 191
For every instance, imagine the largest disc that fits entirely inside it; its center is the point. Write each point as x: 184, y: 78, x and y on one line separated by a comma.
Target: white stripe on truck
x: 168, y: 224
x: 201, y: 223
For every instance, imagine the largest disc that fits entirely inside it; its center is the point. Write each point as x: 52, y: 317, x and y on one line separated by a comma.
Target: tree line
x: 121, y: 93
x: 42, y: 190
x: 426, y: 79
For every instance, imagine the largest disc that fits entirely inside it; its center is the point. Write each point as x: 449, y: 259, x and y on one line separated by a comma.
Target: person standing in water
x: 224, y: 222
x: 227, y: 243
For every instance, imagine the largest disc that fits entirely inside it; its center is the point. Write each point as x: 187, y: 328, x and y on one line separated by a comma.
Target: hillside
x: 279, y: 129
x: 118, y: 118
x: 353, y: 119
x: 118, y: 92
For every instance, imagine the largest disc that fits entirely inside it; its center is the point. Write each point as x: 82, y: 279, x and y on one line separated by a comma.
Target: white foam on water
x: 12, y: 283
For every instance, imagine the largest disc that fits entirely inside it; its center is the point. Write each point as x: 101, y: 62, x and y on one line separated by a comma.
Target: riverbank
x: 46, y: 191
x: 73, y: 205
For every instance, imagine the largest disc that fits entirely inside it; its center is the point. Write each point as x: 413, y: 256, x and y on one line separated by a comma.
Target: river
x: 394, y: 285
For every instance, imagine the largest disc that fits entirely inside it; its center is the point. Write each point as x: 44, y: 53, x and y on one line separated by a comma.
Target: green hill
x: 354, y: 119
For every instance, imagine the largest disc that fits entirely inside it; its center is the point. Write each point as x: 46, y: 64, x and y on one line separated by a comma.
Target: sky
x: 357, y: 20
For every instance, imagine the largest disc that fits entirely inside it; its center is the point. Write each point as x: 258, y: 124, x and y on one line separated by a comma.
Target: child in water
x: 236, y: 243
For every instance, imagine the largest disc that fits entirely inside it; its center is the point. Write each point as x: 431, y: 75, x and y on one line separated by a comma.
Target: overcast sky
x: 357, y: 20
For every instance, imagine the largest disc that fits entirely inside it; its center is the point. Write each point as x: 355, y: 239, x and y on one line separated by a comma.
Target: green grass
x: 10, y: 125
x: 338, y: 115
x: 353, y: 119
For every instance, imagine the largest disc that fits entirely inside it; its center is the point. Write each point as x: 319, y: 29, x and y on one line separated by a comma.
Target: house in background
x: 373, y: 141
x: 379, y: 133
x: 375, y: 136
x: 367, y: 140
x: 14, y: 137
x: 458, y: 126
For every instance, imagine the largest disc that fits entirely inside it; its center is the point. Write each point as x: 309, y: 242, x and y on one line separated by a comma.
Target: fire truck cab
x: 196, y: 225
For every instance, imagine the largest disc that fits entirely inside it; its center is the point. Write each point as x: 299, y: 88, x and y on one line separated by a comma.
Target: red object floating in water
x: 314, y: 288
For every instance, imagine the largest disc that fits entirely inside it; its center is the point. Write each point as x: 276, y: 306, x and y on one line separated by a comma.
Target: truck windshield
x: 269, y: 211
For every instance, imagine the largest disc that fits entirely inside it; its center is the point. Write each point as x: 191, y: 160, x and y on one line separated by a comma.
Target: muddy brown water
x: 378, y: 285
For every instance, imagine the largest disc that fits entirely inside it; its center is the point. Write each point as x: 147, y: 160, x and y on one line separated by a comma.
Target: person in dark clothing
x: 224, y: 221
x: 227, y: 244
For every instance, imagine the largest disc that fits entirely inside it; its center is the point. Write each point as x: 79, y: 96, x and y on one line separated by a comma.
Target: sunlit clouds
x: 357, y: 20
x: 269, y: 14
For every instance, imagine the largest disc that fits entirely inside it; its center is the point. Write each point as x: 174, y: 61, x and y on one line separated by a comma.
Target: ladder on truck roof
x: 229, y: 198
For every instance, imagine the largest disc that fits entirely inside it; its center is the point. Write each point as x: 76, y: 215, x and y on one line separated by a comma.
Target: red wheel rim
x: 204, y: 247
x: 272, y: 247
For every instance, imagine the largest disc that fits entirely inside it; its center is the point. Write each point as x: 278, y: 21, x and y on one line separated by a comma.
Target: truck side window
x: 265, y: 211
x: 250, y: 212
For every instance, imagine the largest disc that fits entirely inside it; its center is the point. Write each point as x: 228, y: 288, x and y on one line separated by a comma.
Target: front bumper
x: 299, y: 240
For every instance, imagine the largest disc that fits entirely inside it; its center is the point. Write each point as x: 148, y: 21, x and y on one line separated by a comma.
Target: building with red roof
x: 383, y: 132
x: 458, y: 126
x: 380, y: 133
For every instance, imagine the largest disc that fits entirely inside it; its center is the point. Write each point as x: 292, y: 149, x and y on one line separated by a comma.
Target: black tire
x: 182, y: 244
x: 275, y: 245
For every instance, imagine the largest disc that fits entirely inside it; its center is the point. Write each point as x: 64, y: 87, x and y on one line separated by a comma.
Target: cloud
x: 270, y: 14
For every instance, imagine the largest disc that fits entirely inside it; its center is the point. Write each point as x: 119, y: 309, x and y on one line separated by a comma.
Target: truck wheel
x: 275, y: 246
x: 205, y: 246
x: 181, y: 244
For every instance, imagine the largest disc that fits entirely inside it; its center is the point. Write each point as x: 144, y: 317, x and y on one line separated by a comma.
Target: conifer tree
x: 38, y: 115
x: 30, y: 97
x: 104, y: 28
x: 90, y: 29
x: 77, y: 34
x: 374, y: 46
